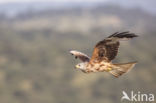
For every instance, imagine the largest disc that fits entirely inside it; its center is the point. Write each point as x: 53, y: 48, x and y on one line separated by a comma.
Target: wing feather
x: 83, y: 57
x: 107, y: 49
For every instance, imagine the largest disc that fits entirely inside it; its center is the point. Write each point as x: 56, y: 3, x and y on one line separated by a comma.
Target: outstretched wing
x: 107, y: 49
x: 80, y: 55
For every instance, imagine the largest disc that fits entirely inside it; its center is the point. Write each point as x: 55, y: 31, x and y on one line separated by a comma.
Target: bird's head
x: 81, y: 66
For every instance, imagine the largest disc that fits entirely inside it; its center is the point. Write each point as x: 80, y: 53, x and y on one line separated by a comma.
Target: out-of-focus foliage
x: 36, y: 67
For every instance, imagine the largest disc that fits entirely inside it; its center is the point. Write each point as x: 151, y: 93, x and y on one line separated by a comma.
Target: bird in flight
x: 103, y: 54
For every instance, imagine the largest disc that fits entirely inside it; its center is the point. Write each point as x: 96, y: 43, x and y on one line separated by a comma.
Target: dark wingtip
x: 125, y: 34
x: 136, y: 35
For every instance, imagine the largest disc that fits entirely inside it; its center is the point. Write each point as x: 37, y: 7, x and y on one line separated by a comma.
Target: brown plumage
x: 107, y: 49
x: 104, y: 52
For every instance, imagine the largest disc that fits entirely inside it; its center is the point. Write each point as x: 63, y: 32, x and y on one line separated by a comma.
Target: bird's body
x: 104, y: 52
x: 98, y: 67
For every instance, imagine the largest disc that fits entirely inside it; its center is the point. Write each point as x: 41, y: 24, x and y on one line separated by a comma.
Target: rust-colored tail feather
x: 122, y: 68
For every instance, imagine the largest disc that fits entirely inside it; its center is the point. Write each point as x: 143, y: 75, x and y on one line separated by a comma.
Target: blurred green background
x: 35, y: 40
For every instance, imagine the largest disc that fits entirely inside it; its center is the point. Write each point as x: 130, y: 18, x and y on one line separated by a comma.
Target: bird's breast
x: 99, y: 67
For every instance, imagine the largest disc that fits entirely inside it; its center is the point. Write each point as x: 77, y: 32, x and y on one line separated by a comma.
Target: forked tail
x: 122, y: 68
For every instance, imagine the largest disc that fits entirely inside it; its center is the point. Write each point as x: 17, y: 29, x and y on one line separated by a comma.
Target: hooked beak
x: 76, y: 66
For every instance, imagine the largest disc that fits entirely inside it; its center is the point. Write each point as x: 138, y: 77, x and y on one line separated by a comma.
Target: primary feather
x: 107, y: 49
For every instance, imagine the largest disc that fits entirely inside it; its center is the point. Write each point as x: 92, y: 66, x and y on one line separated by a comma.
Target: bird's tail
x: 122, y: 68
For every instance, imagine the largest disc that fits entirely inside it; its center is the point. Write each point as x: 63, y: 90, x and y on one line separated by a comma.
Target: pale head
x: 81, y: 66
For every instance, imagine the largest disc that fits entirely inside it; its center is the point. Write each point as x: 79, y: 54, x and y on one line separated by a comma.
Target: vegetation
x: 36, y: 67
